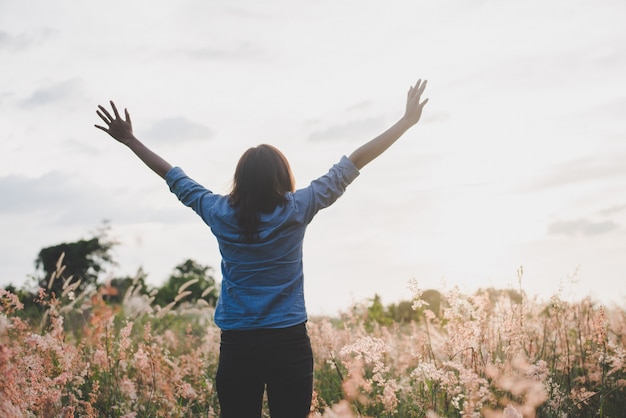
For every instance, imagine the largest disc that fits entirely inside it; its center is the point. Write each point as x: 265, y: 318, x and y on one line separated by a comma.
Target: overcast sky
x: 519, y: 160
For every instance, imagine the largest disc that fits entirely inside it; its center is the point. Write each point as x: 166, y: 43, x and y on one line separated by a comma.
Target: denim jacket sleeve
x: 189, y: 192
x: 325, y: 190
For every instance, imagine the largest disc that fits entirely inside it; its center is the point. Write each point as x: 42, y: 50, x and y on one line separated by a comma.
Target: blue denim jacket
x: 262, y: 281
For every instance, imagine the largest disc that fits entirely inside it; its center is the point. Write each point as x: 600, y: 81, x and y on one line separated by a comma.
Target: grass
x: 487, y: 354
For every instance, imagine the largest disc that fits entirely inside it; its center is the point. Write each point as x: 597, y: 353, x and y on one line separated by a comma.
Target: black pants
x: 280, y: 359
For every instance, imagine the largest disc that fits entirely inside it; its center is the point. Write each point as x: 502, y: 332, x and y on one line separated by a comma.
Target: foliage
x: 124, y: 359
x: 115, y: 288
x: 200, y: 284
x: 407, y: 311
x: 72, y: 269
x: 486, y: 354
x: 84, y: 260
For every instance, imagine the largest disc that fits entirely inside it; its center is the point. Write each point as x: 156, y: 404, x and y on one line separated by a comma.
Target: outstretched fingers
x: 421, y: 86
x: 102, y: 112
x: 108, y: 119
x: 117, y: 115
x: 105, y: 119
x: 416, y: 92
x: 413, y: 89
x: 414, y: 104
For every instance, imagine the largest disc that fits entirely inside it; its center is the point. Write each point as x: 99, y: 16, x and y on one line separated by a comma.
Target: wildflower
x: 599, y: 327
x: 340, y: 410
x: 456, y: 401
x: 141, y: 360
x: 170, y: 339
x: 124, y: 342
x: 539, y: 371
x: 428, y: 371
x: 100, y: 359
x: 5, y: 325
x: 186, y: 391
x: 389, y: 398
x: 416, y: 294
x: 9, y: 302
x: 511, y: 412
x: 127, y: 387
x: 356, y: 380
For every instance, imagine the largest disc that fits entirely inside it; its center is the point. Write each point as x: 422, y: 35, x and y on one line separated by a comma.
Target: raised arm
x: 372, y: 149
x: 122, y: 131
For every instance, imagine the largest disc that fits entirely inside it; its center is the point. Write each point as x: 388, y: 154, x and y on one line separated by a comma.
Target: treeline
x: 73, y: 270
x: 375, y: 313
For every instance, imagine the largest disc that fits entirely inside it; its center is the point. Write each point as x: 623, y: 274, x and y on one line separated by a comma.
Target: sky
x: 519, y: 159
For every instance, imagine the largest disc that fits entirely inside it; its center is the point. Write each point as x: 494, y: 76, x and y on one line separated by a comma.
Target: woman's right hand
x: 118, y: 128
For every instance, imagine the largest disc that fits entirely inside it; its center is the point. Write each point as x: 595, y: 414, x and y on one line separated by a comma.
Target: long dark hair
x: 262, y: 178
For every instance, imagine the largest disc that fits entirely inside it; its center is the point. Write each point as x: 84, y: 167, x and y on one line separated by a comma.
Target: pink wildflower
x: 9, y: 302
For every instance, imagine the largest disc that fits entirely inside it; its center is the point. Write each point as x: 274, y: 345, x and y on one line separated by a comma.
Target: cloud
x: 613, y: 210
x: 62, y: 201
x: 581, y: 227
x: 21, y: 193
x: 350, y: 130
x: 69, y: 89
x: 54, y: 195
x: 176, y: 130
x: 583, y: 170
x: 5, y: 39
x: 611, y: 110
x: 240, y: 12
x: 241, y: 51
x: 24, y: 41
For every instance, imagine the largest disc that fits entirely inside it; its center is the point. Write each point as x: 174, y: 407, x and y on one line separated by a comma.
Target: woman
x: 260, y: 227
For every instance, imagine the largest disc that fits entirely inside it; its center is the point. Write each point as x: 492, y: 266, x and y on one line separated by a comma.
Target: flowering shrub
x: 481, y: 356
x: 477, y: 355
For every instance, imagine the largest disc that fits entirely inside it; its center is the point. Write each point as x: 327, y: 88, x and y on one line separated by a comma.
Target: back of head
x: 262, y: 178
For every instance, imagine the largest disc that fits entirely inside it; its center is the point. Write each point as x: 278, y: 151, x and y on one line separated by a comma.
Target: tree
x: 376, y: 313
x: 495, y: 294
x: 433, y: 298
x: 403, y: 312
x: 113, y: 291
x: 202, y: 284
x: 83, y: 260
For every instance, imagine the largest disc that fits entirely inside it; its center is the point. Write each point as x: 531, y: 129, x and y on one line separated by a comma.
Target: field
x: 491, y: 354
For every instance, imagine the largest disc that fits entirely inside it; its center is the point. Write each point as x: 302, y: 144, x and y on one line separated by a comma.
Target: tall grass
x: 478, y: 355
